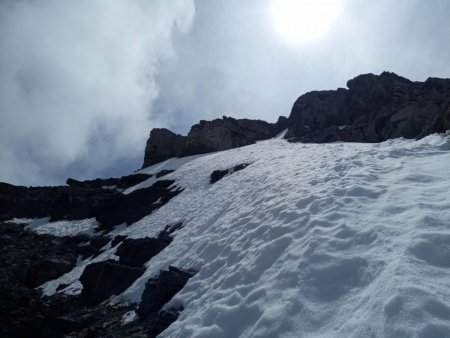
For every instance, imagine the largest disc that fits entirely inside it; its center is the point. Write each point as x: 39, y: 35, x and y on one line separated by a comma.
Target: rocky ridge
x: 374, y: 108
x: 208, y: 136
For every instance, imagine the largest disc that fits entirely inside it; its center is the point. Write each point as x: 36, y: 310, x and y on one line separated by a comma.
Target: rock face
x: 161, y: 145
x: 228, y: 133
x: 372, y: 109
x: 161, y: 289
x: 103, y: 279
x: 209, y: 136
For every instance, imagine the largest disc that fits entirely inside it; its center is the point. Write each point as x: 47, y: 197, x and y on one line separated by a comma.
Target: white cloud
x: 77, y: 82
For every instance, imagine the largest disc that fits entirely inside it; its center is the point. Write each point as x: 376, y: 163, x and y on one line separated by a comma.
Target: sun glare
x: 299, y: 21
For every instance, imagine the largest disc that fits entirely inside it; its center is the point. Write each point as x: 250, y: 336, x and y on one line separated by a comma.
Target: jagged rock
x: 163, y: 173
x: 161, y: 145
x: 161, y: 289
x: 228, y: 133
x: 134, y: 206
x: 120, y: 183
x: 209, y: 136
x: 135, y: 252
x: 217, y: 175
x: 372, y: 109
x: 104, y: 279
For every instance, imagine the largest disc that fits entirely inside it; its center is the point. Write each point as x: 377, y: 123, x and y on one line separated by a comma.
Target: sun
x: 300, y: 21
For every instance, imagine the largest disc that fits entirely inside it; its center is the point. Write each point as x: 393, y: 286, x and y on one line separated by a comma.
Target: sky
x: 83, y: 82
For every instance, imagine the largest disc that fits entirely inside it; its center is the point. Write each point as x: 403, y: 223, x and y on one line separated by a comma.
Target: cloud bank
x: 77, y: 83
x: 83, y: 82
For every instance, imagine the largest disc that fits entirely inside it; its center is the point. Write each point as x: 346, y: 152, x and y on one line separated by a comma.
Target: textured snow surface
x: 43, y: 226
x: 329, y: 240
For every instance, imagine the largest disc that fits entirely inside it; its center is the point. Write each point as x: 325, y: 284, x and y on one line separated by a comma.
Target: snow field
x: 329, y: 240
x: 332, y: 240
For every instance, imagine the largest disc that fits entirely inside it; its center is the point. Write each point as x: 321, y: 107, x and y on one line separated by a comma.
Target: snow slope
x: 310, y: 240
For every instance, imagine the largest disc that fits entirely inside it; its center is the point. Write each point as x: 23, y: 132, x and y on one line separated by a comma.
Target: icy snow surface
x: 311, y: 240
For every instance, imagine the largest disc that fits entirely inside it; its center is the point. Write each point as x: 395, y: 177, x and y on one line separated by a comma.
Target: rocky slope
x: 374, y: 108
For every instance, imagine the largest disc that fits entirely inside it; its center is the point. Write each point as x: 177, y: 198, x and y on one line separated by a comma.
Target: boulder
x: 161, y: 289
x: 136, y: 252
x: 104, y: 279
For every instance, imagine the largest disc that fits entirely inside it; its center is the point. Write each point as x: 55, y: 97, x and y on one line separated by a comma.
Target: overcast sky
x: 83, y: 82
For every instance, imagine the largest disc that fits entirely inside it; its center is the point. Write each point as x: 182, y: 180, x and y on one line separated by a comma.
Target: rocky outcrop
x: 208, y: 136
x: 228, y: 133
x: 372, y: 109
x: 109, y: 207
x: 217, y: 175
x: 134, y: 206
x: 161, y: 145
x: 135, y: 252
x: 104, y: 279
x: 159, y: 290
x: 120, y: 183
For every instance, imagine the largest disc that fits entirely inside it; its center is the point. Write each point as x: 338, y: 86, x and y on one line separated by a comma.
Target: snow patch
x: 63, y: 228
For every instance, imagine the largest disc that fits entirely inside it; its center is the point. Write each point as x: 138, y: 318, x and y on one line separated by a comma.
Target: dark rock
x: 136, y: 252
x: 163, y: 320
x: 161, y: 289
x: 62, y: 287
x: 25, y: 313
x: 110, y: 208
x: 372, y: 109
x: 134, y: 206
x: 163, y: 173
x: 57, y: 202
x: 227, y: 133
x: 116, y: 240
x: 41, y: 271
x: 104, y: 279
x: 93, y: 247
x: 162, y: 145
x: 209, y: 136
x: 217, y: 175
x: 120, y: 183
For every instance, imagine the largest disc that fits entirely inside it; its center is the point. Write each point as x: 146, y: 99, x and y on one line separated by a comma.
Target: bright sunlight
x: 299, y: 21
